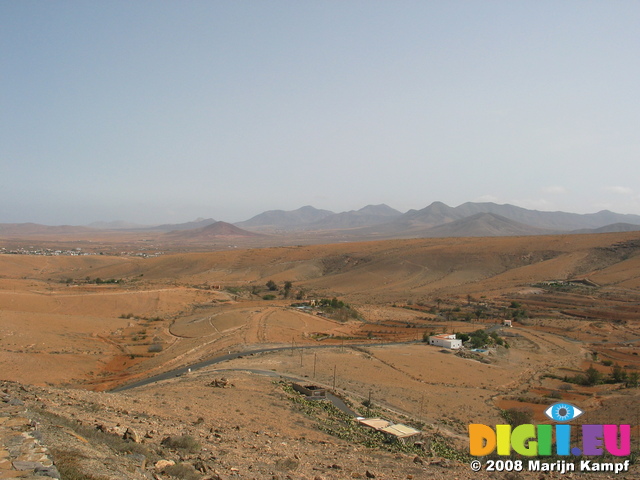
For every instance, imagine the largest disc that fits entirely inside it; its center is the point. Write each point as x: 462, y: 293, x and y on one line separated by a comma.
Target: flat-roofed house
x: 445, y: 340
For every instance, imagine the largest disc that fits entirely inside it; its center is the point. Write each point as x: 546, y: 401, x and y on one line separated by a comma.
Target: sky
x: 165, y: 111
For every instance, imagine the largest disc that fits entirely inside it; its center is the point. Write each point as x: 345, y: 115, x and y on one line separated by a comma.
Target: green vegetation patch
x: 333, y: 421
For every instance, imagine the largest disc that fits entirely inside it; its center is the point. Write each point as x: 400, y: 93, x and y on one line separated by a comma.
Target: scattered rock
x: 160, y: 465
x: 221, y: 383
x: 47, y: 472
x: 25, y: 465
x: 133, y: 435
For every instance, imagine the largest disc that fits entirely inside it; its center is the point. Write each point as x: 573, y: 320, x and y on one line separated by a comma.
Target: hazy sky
x: 157, y: 111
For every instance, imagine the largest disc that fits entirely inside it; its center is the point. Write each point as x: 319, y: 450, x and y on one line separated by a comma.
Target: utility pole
x: 638, y: 429
x: 315, y: 359
x: 334, y: 376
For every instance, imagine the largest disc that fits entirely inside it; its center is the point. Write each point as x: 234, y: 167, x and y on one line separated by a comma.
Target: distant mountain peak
x: 281, y: 219
x: 381, y: 209
x: 217, y: 229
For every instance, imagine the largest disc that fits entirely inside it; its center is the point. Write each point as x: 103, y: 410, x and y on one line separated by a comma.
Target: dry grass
x: 69, y: 464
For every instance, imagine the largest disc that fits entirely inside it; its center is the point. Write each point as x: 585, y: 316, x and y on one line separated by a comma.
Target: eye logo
x: 563, y: 412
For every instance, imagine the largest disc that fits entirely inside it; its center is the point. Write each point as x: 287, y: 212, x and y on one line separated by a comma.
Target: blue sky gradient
x: 157, y: 111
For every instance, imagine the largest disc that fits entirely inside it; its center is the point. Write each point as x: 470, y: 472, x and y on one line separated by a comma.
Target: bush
x: 632, y: 380
x: 268, y: 297
x: 182, y: 471
x: 155, y: 348
x: 618, y: 375
x: 592, y: 376
x: 517, y: 416
x: 479, y: 339
x: 462, y: 336
x: 185, y: 443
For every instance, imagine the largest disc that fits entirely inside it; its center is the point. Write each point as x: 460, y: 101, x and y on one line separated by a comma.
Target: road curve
x: 232, y: 356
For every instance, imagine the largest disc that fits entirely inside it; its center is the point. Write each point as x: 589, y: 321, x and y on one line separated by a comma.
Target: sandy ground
x: 171, y: 311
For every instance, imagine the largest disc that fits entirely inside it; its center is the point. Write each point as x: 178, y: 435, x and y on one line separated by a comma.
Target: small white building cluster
x: 445, y: 340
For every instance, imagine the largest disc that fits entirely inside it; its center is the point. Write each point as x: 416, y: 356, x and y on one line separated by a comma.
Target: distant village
x: 74, y: 252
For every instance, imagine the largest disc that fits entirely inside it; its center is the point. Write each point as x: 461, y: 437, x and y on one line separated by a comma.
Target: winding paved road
x: 232, y: 356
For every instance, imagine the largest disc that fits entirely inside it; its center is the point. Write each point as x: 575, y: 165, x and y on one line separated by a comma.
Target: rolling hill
x: 483, y: 225
x: 26, y: 229
x: 209, y: 232
x: 285, y: 220
x: 366, y: 216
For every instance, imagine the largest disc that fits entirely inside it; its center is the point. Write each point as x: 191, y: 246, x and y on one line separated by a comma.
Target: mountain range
x: 441, y: 220
x: 373, y: 221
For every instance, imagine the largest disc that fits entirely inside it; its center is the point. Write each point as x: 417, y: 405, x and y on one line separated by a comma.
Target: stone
x: 51, y: 472
x: 133, y: 435
x: 24, y: 465
x: 162, y: 464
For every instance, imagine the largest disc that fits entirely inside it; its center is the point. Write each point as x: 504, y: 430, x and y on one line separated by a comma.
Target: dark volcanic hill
x: 215, y: 230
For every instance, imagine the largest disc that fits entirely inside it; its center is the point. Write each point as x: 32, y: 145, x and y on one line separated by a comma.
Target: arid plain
x: 73, y: 327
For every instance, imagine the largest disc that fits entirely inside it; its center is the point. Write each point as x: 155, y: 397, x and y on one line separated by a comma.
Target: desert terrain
x: 80, y: 333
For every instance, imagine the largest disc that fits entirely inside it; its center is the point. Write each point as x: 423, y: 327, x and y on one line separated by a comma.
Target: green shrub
x: 517, y: 416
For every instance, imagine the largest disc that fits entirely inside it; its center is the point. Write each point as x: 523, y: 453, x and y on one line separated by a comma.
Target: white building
x: 445, y: 340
